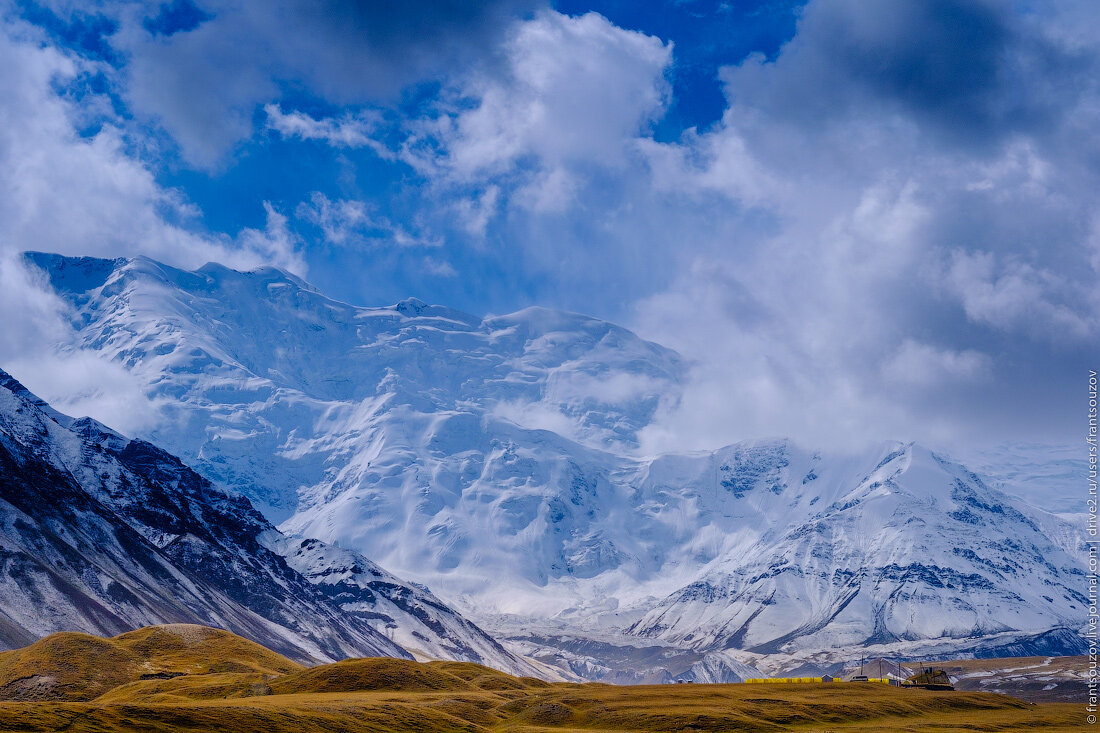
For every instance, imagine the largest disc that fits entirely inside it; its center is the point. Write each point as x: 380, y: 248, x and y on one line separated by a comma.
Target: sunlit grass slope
x: 228, y: 689
x: 80, y: 667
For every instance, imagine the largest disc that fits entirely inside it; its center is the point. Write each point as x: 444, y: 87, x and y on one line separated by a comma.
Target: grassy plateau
x: 190, y: 678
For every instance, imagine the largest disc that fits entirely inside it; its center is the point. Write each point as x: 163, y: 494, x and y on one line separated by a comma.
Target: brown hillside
x: 66, y: 666
x: 564, y: 707
x: 178, y: 679
x: 352, y: 675
x: 189, y: 688
x: 484, y: 678
x: 79, y: 667
x: 191, y: 649
x: 377, y: 673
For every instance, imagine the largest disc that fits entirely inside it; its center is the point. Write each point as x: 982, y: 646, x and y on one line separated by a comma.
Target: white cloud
x: 339, y: 221
x: 905, y: 266
x: 537, y: 416
x: 920, y: 364
x: 348, y: 222
x: 275, y: 244
x: 475, y: 213
x: 576, y: 89
x: 1019, y: 296
x: 90, y: 196
x: 574, y: 93
x: 348, y: 131
x: 568, y: 386
x: 439, y: 268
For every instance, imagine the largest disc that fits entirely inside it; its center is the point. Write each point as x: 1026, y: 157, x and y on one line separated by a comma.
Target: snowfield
x: 496, y: 461
x: 105, y: 534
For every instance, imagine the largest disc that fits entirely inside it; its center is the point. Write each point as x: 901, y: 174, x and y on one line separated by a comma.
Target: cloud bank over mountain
x: 890, y: 230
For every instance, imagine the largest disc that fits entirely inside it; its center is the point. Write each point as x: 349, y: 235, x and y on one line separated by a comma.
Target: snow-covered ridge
x: 919, y: 548
x: 277, y: 370
x: 493, y: 459
x: 104, y: 534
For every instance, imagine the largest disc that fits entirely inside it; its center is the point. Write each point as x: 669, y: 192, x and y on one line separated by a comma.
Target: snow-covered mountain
x: 105, y: 534
x: 270, y: 388
x: 1048, y: 476
x: 495, y: 460
x: 406, y: 613
x: 910, y: 548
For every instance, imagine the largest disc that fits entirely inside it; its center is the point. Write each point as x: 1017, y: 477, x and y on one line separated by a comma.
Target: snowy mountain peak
x: 104, y: 534
x: 265, y: 275
x: 267, y: 358
x: 912, y: 548
x: 494, y: 460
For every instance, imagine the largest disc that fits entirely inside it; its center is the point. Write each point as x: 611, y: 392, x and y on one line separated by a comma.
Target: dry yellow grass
x: 80, y: 667
x: 191, y: 649
x: 398, y: 675
x: 575, y: 708
x: 377, y: 695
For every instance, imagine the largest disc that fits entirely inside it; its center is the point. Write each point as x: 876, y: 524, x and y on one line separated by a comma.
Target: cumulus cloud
x: 77, y: 193
x: 891, y: 232
x: 204, y: 82
x: 529, y: 158
x: 923, y: 246
x: 573, y: 92
x: 1016, y: 296
x: 347, y: 222
x: 352, y: 131
x: 575, y: 89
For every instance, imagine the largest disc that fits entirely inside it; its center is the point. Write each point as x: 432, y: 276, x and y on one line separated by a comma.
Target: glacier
x: 496, y: 460
x: 104, y: 534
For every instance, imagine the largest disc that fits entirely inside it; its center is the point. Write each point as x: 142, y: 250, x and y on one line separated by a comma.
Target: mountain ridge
x: 497, y: 464
x: 103, y: 533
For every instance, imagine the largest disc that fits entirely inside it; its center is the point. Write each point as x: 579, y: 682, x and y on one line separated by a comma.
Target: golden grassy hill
x: 380, y: 674
x: 399, y: 675
x: 563, y: 707
x: 191, y: 649
x: 227, y: 689
x: 79, y: 667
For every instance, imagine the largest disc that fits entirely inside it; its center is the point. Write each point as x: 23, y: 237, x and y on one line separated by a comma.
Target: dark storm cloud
x: 973, y: 71
x: 358, y: 50
x: 893, y: 231
x: 203, y: 69
x: 933, y: 165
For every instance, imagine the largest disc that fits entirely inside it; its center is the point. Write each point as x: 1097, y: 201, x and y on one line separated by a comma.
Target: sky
x: 857, y: 219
